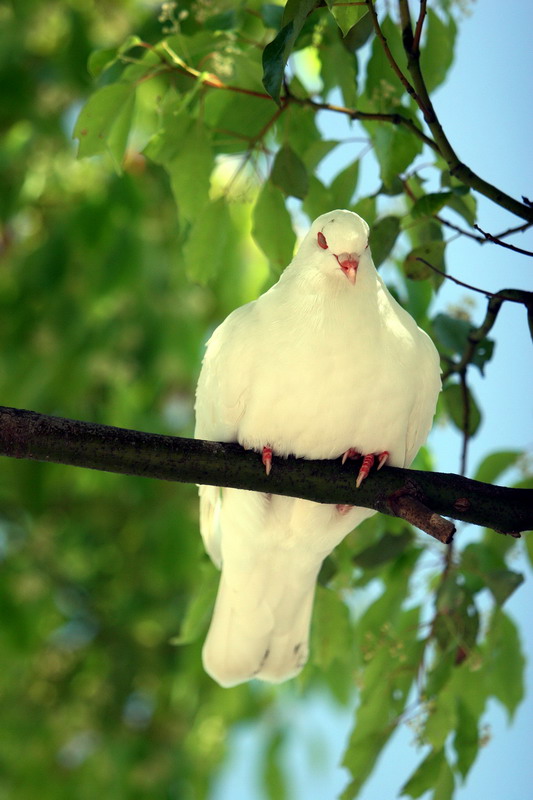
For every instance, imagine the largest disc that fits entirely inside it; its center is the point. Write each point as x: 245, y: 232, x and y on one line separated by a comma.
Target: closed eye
x: 321, y: 239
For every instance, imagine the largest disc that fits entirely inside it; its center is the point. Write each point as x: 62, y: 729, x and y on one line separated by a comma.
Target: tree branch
x: 26, y: 434
x: 418, y: 91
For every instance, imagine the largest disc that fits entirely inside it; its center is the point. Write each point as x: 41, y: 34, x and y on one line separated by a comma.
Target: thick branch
x: 26, y: 434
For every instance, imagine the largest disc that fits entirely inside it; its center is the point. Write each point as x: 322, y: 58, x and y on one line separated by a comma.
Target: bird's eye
x: 321, y: 239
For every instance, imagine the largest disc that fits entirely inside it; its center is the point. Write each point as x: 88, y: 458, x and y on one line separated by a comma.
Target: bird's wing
x: 220, y: 402
x: 423, y: 410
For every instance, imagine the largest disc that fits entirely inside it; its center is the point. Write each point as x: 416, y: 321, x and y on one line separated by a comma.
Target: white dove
x: 325, y: 364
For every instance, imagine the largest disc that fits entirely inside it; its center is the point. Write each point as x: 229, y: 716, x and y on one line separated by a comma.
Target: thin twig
x: 418, y: 29
x: 455, y: 280
x: 354, y: 114
x: 386, y: 49
x: 495, y: 240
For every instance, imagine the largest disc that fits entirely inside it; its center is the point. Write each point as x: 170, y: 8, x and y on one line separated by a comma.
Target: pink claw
x: 382, y: 458
x: 267, y: 458
x: 367, y: 464
x: 350, y: 453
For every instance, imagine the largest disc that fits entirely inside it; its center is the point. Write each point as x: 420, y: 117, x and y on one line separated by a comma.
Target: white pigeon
x: 325, y: 364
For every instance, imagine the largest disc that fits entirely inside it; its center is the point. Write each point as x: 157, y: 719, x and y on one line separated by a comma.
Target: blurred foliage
x: 114, y: 268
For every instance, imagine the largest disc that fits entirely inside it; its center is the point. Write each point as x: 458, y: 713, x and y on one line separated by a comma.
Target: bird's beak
x: 349, y: 262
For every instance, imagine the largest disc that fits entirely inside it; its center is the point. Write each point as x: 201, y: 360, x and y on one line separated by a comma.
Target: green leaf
x: 437, y: 53
x: 313, y: 155
x: 272, y: 228
x: 395, y: 149
x: 200, y: 606
x: 204, y: 249
x: 330, y: 629
x: 505, y: 662
x: 190, y: 172
x: 383, y: 236
x: 342, y: 187
x: 430, y: 204
x: 318, y: 200
x: 462, y: 408
x: 502, y: 583
x: 272, y: 15
x: 484, y: 565
x: 426, y: 776
x: 495, y: 464
x: 289, y: 173
x: 129, y: 43
x: 466, y: 739
x: 465, y: 205
x: 452, y: 332
x: 339, y: 70
x: 383, y: 89
x: 277, y: 52
x: 441, y: 720
x: 117, y: 139
x: 346, y: 16
x: 100, y: 60
x: 440, y: 672
x: 414, y: 267
x: 108, y: 108
x: 223, y: 21
x: 274, y: 776
x: 387, y: 549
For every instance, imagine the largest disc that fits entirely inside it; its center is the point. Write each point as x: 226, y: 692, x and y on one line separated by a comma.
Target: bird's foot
x: 267, y: 458
x: 343, y: 509
x: 368, y: 463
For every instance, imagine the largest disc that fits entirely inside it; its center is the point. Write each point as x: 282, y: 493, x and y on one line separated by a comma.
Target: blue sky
x: 486, y: 111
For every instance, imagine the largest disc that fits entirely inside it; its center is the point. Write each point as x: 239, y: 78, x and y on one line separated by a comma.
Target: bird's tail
x: 260, y: 629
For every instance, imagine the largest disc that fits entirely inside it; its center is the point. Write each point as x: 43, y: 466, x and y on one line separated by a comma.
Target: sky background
x: 485, y: 108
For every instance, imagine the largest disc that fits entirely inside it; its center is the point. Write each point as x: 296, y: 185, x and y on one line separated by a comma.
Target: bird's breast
x: 322, y: 392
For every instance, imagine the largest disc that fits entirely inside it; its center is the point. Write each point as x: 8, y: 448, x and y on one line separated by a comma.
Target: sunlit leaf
x: 395, y: 149
x: 106, y: 109
x: 190, y: 173
x: 204, y: 250
x: 437, y: 53
x: 339, y: 69
x: 99, y: 60
x: 347, y: 15
x: 272, y: 229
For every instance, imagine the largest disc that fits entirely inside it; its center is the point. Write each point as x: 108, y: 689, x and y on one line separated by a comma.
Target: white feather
x: 314, y: 367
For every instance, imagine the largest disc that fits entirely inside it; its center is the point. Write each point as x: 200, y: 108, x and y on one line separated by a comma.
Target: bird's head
x: 337, y: 243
